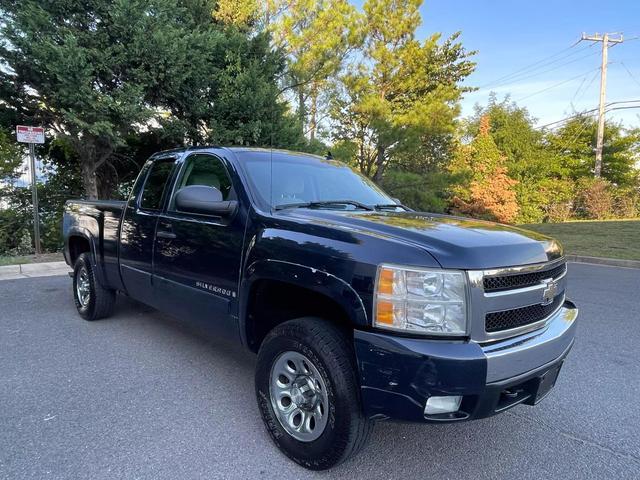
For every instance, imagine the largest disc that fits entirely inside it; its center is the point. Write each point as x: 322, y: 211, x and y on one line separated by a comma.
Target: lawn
x: 45, y: 257
x: 611, y: 239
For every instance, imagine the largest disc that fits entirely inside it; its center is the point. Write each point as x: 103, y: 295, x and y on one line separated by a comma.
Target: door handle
x: 167, y: 235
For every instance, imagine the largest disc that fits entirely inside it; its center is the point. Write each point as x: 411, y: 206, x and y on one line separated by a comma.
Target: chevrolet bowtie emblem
x: 550, y: 291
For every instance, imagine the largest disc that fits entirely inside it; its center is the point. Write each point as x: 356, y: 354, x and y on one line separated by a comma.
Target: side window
x: 207, y: 170
x: 154, y: 186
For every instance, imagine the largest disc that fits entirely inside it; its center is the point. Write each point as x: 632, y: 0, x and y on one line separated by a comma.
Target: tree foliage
x: 400, y: 93
x: 97, y: 72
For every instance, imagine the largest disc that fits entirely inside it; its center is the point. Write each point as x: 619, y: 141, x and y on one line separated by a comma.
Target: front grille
x: 521, y: 280
x: 518, y: 317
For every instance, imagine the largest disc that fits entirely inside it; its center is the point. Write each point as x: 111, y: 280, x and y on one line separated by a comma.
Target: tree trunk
x: 89, y: 182
x: 302, y: 114
x: 379, y: 164
x: 313, y: 113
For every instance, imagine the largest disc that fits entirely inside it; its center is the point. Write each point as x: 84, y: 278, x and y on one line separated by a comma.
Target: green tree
x: 315, y: 36
x: 400, y: 93
x: 98, y: 72
x: 575, y: 143
x: 10, y: 158
x: 538, y: 169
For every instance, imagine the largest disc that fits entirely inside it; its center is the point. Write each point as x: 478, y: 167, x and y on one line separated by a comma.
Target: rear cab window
x: 155, y: 185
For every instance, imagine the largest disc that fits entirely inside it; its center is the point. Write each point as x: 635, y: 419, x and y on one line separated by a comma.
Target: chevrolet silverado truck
x: 359, y: 309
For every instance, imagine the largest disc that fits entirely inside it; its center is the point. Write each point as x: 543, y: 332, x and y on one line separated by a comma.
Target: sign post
x: 32, y: 135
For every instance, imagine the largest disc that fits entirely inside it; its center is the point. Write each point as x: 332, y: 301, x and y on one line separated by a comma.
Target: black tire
x: 99, y: 301
x: 330, y: 351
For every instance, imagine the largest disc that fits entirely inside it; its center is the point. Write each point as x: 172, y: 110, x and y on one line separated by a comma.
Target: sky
x: 512, y: 35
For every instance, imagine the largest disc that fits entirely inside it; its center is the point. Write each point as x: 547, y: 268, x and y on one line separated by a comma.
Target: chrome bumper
x: 515, y: 356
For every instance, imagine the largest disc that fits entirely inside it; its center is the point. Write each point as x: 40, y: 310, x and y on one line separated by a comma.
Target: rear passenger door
x: 197, y: 257
x: 137, y: 233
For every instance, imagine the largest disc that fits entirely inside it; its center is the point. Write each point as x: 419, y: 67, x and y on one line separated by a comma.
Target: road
x: 141, y: 395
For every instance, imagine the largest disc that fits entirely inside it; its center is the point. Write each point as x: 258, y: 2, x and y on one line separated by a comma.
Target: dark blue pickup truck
x: 358, y: 308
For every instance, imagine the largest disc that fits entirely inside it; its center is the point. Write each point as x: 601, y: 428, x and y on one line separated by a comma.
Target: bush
x: 626, y: 203
x: 594, y: 200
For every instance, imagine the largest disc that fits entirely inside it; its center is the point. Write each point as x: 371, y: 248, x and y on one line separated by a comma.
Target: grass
x: 610, y: 239
x: 20, y: 259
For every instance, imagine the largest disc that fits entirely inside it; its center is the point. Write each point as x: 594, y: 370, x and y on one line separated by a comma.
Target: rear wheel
x: 92, y: 300
x: 308, y: 393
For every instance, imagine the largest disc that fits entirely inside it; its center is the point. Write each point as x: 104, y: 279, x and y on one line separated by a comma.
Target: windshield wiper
x: 324, y: 203
x: 382, y: 206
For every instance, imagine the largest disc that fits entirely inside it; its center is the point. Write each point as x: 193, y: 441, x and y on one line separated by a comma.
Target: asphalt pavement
x: 144, y: 396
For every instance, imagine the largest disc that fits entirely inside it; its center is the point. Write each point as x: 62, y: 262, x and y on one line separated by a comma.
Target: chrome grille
x: 510, y: 301
x: 518, y: 317
x: 508, y: 282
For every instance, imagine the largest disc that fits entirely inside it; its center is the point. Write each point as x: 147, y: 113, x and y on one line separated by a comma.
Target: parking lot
x: 141, y: 395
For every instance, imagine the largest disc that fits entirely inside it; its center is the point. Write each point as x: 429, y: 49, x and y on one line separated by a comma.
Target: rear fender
x: 77, y: 231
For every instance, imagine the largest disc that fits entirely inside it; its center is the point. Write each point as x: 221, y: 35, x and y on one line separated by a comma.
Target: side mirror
x: 204, y: 200
x: 397, y: 200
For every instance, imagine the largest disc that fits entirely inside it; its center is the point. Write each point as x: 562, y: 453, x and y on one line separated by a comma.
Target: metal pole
x: 34, y: 196
x: 603, y: 90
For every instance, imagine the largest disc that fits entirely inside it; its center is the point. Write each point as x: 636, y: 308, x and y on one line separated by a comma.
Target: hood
x: 455, y: 242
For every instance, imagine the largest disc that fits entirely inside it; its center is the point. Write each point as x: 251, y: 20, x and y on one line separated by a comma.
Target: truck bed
x: 96, y: 222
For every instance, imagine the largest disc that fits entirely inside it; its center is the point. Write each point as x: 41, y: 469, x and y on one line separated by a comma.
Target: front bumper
x: 398, y: 374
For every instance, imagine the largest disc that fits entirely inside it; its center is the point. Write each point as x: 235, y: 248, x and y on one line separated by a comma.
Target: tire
x: 343, y: 429
x: 92, y: 300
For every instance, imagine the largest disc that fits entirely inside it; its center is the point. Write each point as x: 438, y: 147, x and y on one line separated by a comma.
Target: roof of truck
x: 234, y: 150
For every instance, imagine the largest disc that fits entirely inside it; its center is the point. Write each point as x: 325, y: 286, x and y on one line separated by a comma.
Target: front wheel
x: 307, y: 392
x: 92, y: 300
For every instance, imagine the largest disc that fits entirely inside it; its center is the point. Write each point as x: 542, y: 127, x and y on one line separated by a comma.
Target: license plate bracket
x: 546, y: 383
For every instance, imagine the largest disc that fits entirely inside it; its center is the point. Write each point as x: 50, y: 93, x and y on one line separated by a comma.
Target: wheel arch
x: 275, y: 291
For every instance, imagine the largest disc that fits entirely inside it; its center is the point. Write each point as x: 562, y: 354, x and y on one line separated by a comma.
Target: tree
x: 10, y: 158
x: 575, y: 143
x: 315, y: 36
x: 488, y: 191
x: 538, y: 170
x: 400, y: 93
x: 98, y: 72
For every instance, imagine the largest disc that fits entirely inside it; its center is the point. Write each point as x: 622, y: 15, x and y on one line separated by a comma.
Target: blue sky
x: 510, y: 35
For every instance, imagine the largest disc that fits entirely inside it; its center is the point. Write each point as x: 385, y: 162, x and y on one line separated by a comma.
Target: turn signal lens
x: 385, y: 281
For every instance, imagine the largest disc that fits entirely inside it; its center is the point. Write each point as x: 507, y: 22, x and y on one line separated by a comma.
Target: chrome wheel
x: 298, y: 396
x: 83, y: 287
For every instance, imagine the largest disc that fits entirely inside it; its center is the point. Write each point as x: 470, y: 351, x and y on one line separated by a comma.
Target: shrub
x: 594, y: 199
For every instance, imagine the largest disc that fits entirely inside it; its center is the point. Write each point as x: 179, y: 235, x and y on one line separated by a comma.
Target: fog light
x: 436, y: 405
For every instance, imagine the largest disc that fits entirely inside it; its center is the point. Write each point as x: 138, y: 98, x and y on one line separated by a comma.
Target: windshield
x: 301, y: 179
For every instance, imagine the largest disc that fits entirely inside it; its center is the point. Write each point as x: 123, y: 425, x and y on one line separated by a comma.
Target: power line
x: 575, y: 97
x: 533, y: 66
x: 528, y: 75
x: 633, y: 77
x: 583, y: 112
x: 554, y: 86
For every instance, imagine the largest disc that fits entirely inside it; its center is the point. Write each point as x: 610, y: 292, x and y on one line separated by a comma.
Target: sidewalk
x: 28, y: 270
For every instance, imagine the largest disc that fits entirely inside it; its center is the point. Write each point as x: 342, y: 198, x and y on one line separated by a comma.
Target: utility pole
x: 606, y: 39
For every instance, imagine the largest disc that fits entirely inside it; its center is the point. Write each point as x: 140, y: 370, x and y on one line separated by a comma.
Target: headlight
x: 420, y: 300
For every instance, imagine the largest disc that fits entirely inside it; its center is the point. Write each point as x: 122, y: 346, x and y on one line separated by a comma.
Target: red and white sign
x: 30, y: 134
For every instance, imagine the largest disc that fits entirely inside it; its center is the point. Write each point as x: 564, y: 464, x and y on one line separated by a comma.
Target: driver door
x: 197, y: 257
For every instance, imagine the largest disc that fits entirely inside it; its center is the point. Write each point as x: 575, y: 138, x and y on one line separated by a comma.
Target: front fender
x: 302, y: 276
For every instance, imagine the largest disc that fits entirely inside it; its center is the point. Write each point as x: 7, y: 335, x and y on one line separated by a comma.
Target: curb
x: 29, y: 270
x: 611, y: 262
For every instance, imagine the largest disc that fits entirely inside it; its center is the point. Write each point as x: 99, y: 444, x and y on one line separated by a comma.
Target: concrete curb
x: 29, y: 270
x: 611, y: 262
